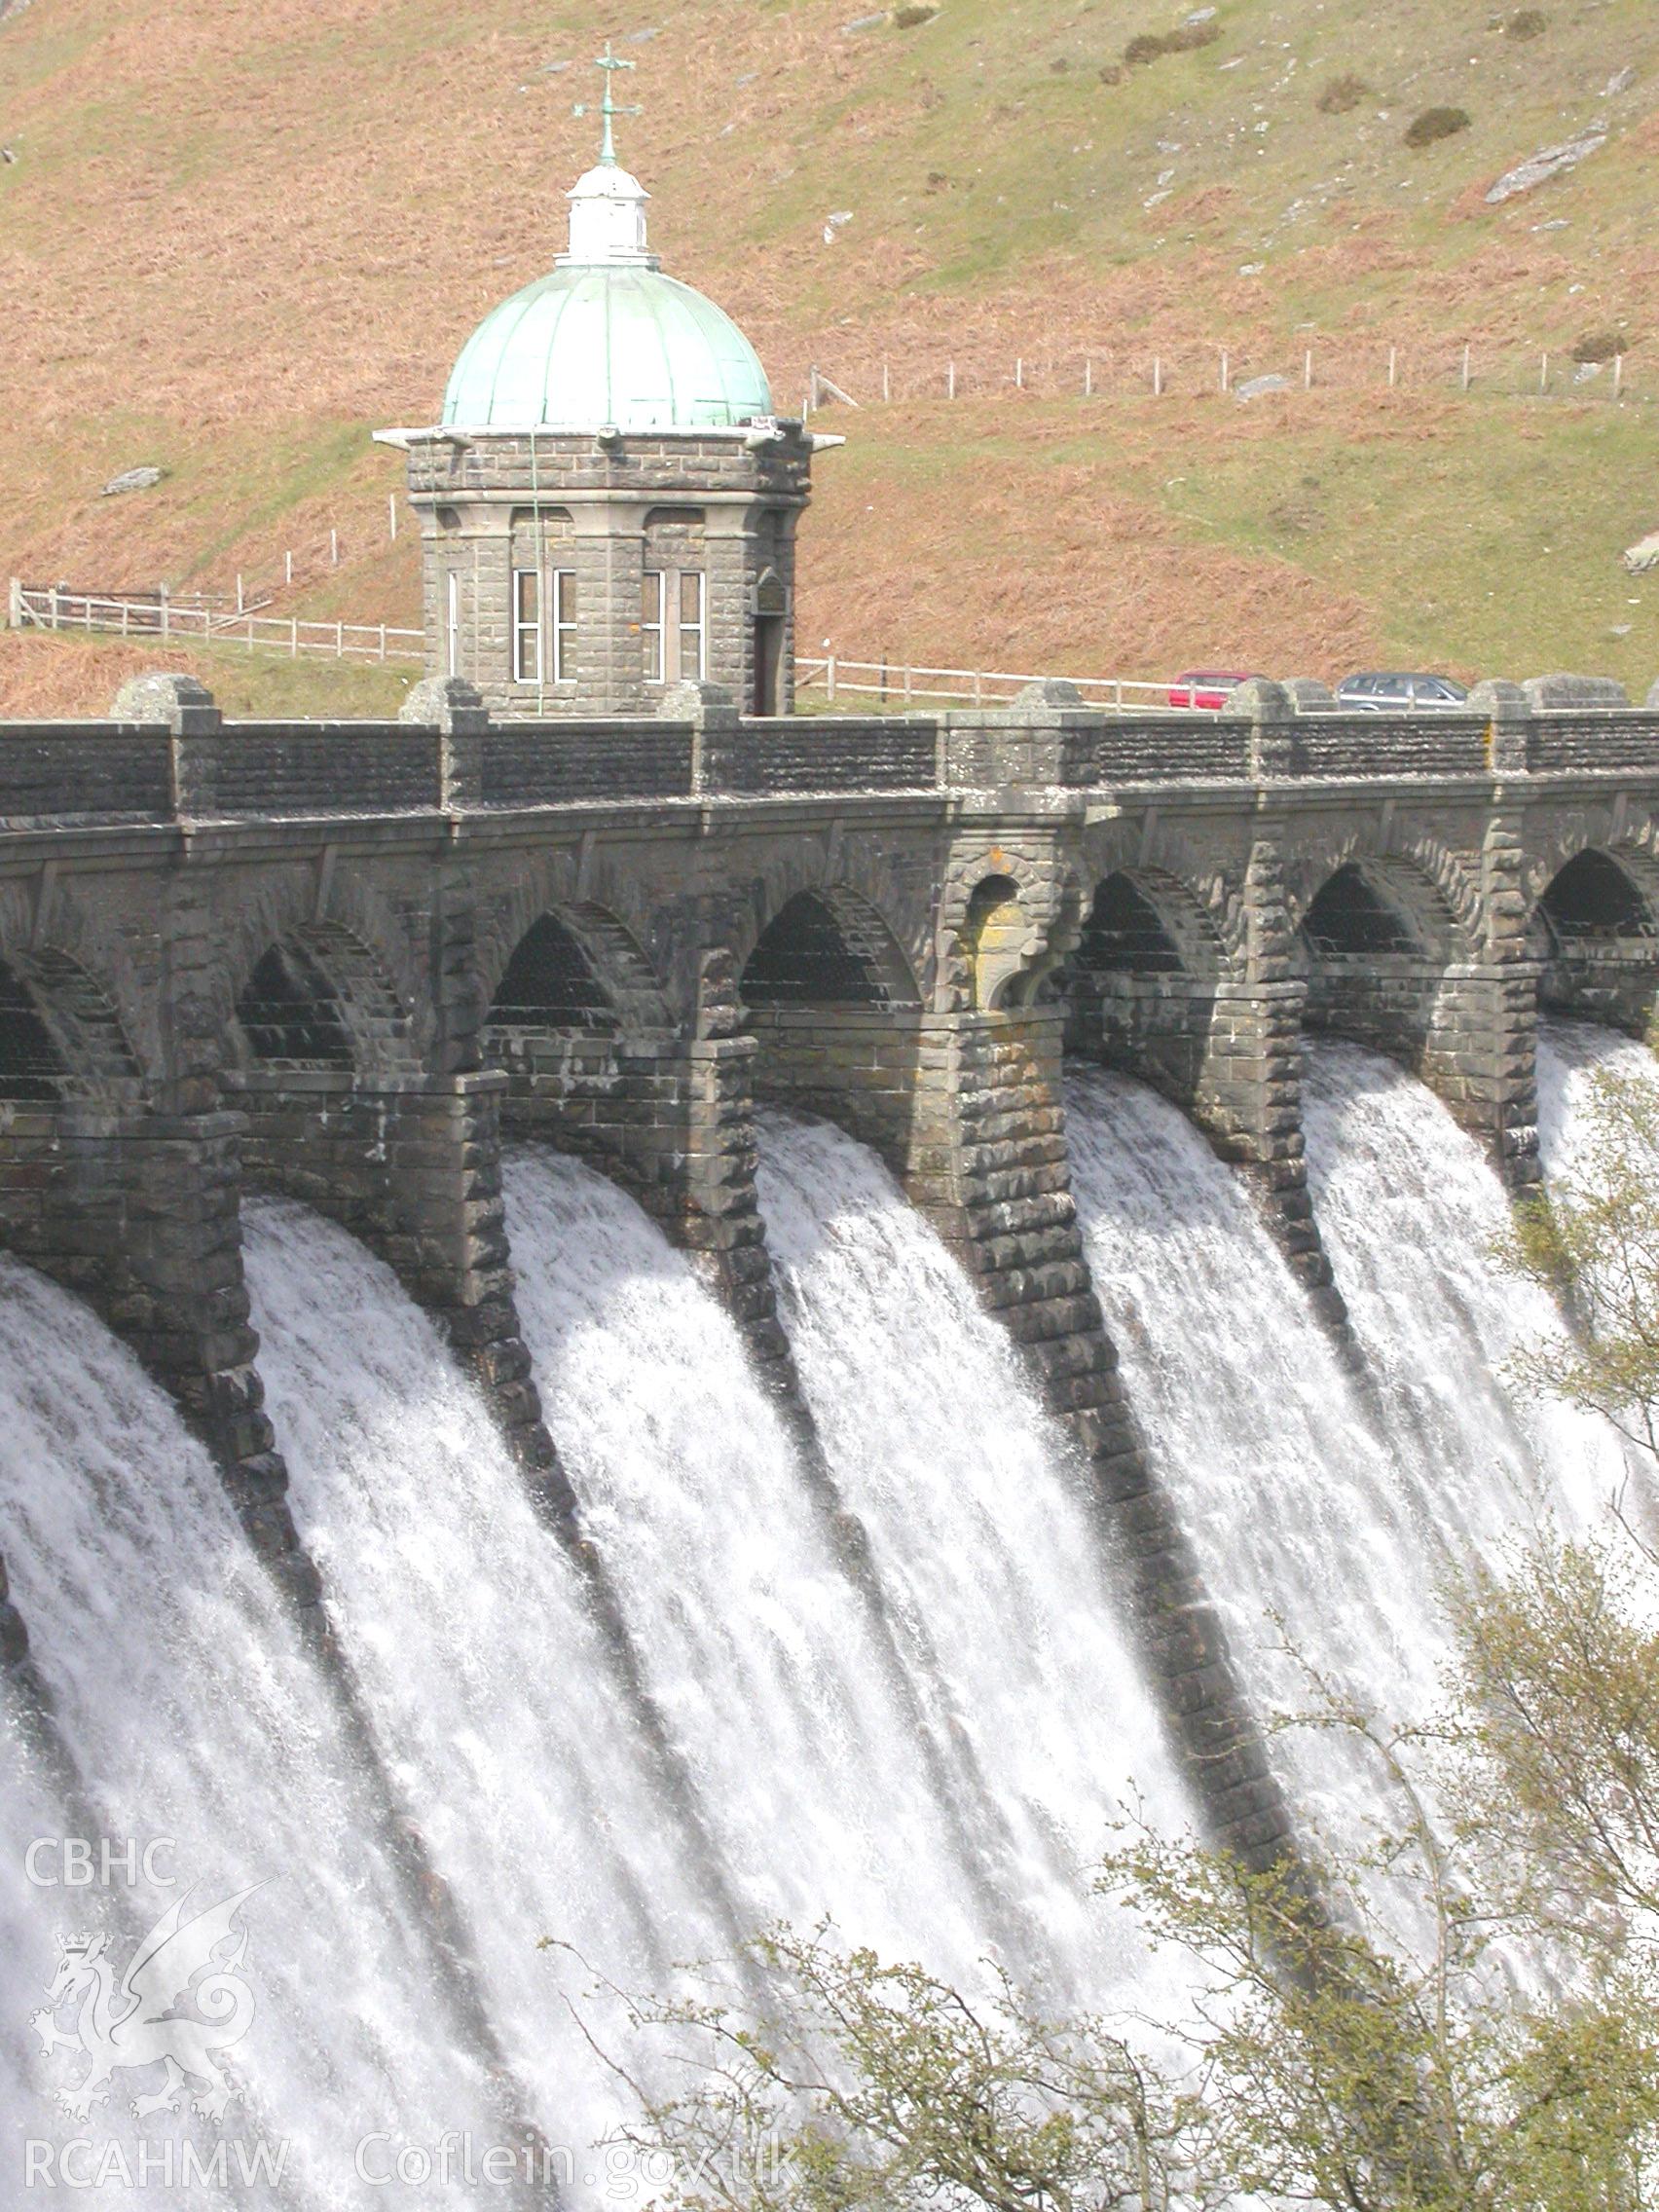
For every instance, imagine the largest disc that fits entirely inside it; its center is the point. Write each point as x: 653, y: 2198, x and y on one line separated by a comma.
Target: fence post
x: 1307, y: 370
x: 339, y: 641
x: 1465, y: 368
x: 383, y: 641
x: 334, y: 549
x: 288, y: 568
x: 1224, y: 370
x: 293, y: 636
x: 950, y: 391
x: 391, y: 512
x: 1618, y: 374
x: 1393, y: 366
x: 976, y: 691
x: 167, y: 614
x: 1087, y: 378
x: 126, y: 616
x: 1544, y: 374
x: 1157, y: 376
x: 1019, y: 373
x: 15, y: 606
x: 907, y: 674
x: 829, y: 677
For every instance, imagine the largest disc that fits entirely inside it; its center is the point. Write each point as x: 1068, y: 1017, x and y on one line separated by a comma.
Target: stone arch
x: 1375, y: 942
x: 317, y: 999
x: 1396, y: 900
x: 1146, y: 921
x: 1005, y: 925
x: 828, y: 946
x: 1141, y: 982
x: 1350, y: 916
x: 1594, y: 933
x: 60, y: 1036
x: 609, y: 943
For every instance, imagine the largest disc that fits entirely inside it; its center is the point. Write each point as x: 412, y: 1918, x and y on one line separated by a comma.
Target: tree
x: 1455, y: 2017
x: 1593, y: 1242
x: 1458, y: 2014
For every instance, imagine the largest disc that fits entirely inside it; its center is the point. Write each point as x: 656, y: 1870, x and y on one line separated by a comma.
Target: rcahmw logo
x: 176, y: 2009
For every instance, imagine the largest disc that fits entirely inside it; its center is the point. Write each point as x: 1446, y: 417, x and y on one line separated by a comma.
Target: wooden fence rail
x: 48, y: 607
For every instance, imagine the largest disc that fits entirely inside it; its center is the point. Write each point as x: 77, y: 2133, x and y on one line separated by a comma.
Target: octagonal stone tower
x: 608, y: 505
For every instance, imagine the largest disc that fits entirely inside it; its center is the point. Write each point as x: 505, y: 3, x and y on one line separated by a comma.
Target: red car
x: 1207, y: 687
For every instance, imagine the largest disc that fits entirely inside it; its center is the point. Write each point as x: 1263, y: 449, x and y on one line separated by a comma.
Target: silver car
x: 1380, y: 692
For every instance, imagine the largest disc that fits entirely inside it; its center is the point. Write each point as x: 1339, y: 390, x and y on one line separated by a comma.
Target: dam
x: 617, y: 1329
x: 626, y: 1313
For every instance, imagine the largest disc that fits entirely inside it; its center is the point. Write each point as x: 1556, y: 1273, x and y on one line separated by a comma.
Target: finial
x: 609, y: 63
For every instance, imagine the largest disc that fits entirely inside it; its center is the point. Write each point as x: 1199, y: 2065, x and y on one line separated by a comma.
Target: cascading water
x: 1326, y: 1523
x: 486, y: 1683
x: 789, y: 1682
x: 1570, y: 1054
x: 753, y: 1638
x: 198, y: 1724
x: 983, y: 1536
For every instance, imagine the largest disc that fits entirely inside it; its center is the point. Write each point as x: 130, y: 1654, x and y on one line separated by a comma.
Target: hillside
x: 235, y: 235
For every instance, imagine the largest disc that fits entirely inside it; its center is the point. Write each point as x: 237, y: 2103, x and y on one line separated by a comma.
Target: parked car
x: 1381, y: 691
x: 1207, y: 687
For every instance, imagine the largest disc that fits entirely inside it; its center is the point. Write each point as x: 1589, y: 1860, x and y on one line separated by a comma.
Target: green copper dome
x: 607, y: 342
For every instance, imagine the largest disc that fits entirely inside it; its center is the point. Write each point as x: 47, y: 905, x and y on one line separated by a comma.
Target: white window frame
x: 652, y: 635
x: 452, y: 621
x: 564, y: 625
x: 696, y: 629
x: 664, y: 631
x: 527, y: 628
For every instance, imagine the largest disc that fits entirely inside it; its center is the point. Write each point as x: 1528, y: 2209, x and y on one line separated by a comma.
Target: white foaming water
x: 1308, y: 1508
x: 1570, y: 1054
x: 757, y: 1646
x: 1298, y: 1513
x: 983, y: 1536
x: 194, y: 1716
x: 487, y: 1684
x: 1411, y: 1214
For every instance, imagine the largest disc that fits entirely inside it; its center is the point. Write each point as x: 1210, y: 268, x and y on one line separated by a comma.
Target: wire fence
x: 1183, y: 368
x: 52, y: 607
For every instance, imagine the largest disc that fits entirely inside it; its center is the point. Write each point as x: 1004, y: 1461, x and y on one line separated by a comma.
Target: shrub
x: 1600, y: 346
x: 1112, y: 73
x: 1343, y: 94
x: 1153, y: 46
x: 909, y: 13
x: 1436, y: 123
x: 1527, y: 22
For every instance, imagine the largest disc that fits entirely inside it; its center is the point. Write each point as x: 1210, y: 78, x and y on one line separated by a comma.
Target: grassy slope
x: 239, y: 232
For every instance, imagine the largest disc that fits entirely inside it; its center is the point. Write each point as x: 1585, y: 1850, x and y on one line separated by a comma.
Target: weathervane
x: 609, y: 63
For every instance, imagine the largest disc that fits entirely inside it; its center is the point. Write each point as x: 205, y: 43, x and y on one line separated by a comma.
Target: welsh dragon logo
x: 140, y: 2021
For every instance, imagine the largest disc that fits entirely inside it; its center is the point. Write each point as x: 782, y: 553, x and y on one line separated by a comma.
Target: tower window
x: 690, y: 670
x: 672, y: 625
x: 452, y: 623
x: 650, y: 624
x: 526, y: 626
x: 564, y: 625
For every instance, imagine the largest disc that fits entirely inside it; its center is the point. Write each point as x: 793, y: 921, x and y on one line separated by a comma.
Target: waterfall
x: 754, y: 1641
x: 1326, y: 1521
x: 197, y: 1723
x: 487, y: 1686
x: 983, y: 1534
x: 1570, y: 1055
